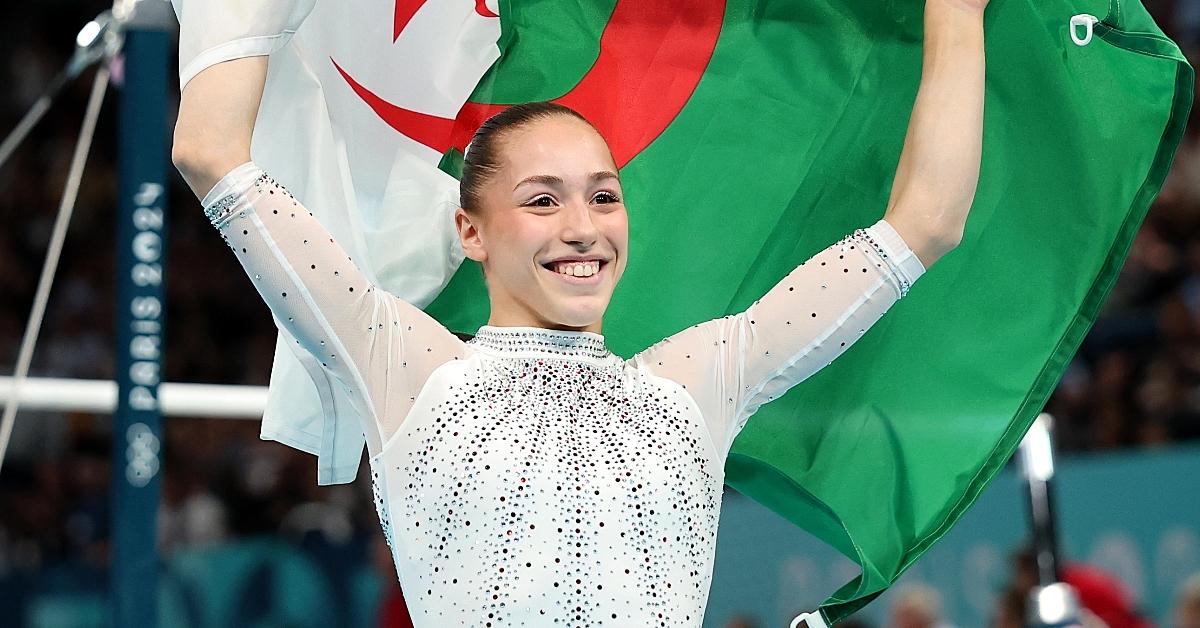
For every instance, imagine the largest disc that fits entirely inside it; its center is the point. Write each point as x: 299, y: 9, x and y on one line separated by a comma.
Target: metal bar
x: 1043, y: 533
x: 214, y: 401
x: 1052, y: 603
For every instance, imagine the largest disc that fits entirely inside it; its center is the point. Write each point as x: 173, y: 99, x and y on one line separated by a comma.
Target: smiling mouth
x: 577, y: 272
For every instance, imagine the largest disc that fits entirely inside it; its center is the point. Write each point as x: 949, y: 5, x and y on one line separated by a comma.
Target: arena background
x: 248, y: 538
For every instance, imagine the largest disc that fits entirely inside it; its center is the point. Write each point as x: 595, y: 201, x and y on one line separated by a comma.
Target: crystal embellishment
x: 221, y: 209
x: 550, y: 482
x: 862, y: 235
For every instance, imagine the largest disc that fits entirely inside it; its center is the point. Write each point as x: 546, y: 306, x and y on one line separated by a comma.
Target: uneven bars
x: 220, y: 401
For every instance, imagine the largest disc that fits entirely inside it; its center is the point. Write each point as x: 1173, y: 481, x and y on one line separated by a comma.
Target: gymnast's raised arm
x: 938, y: 171
x: 378, y: 347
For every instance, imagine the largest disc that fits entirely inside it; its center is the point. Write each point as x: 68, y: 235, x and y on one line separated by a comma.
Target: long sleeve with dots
x: 530, y: 477
x: 732, y: 365
x: 379, y: 348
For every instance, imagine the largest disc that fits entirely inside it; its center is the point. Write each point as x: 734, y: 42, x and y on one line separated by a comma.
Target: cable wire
x: 65, y: 209
x: 26, y: 124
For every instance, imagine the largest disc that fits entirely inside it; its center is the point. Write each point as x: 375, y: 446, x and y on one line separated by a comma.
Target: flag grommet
x: 1087, y: 22
x: 809, y: 620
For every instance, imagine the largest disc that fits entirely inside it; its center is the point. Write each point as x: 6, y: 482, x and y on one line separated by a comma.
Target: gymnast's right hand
x: 217, y: 111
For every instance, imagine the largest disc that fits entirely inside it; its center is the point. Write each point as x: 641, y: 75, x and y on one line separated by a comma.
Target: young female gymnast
x: 529, y: 476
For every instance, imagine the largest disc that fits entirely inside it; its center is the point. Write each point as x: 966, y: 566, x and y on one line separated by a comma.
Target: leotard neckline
x: 541, y: 342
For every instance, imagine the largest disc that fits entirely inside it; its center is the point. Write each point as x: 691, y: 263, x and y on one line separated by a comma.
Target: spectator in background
x: 189, y: 515
x: 916, y: 606
x: 1011, y: 609
x: 741, y: 621
x: 1187, y: 605
x: 1105, y: 600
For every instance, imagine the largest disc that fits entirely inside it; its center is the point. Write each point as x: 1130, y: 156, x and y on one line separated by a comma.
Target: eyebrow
x: 552, y: 180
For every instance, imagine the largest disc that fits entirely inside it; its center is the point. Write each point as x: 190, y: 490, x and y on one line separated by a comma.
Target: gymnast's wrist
x: 237, y: 180
x: 231, y: 192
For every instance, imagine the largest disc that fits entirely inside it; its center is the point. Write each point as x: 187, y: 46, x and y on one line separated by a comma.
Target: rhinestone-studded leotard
x: 529, y: 477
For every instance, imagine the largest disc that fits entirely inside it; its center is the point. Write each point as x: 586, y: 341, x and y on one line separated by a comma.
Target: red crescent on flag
x: 483, y: 10
x: 406, y: 9
x: 652, y: 56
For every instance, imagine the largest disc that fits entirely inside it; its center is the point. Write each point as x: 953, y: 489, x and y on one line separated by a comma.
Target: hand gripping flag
x: 750, y: 135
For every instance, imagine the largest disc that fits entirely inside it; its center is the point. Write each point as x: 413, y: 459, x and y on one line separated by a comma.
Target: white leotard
x: 529, y: 477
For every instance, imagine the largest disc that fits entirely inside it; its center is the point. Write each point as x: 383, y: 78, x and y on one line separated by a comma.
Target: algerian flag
x: 751, y: 135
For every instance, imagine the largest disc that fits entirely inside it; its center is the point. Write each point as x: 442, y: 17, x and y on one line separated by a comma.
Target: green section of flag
x: 790, y: 142
x: 545, y: 48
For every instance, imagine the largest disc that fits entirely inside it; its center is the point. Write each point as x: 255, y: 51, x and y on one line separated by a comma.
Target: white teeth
x: 577, y: 269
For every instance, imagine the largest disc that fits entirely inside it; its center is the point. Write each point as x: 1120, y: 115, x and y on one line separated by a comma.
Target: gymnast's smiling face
x: 549, y: 226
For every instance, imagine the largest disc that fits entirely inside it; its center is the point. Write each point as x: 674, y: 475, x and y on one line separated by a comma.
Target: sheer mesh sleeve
x: 378, y: 347
x: 733, y: 365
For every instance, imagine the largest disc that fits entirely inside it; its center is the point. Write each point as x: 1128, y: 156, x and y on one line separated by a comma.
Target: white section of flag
x: 378, y: 192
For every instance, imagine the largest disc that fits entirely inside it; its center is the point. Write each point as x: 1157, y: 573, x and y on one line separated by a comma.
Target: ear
x: 469, y: 236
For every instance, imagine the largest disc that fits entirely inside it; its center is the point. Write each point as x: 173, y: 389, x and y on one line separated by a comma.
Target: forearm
x: 217, y: 111
x: 315, y: 291
x: 938, y: 171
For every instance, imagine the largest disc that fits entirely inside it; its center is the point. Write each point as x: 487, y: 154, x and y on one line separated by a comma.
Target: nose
x: 578, y: 228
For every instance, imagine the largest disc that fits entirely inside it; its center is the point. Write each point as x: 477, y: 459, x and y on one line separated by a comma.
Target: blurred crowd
x: 1135, y: 383
x: 1104, y: 602
x: 1136, y: 379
